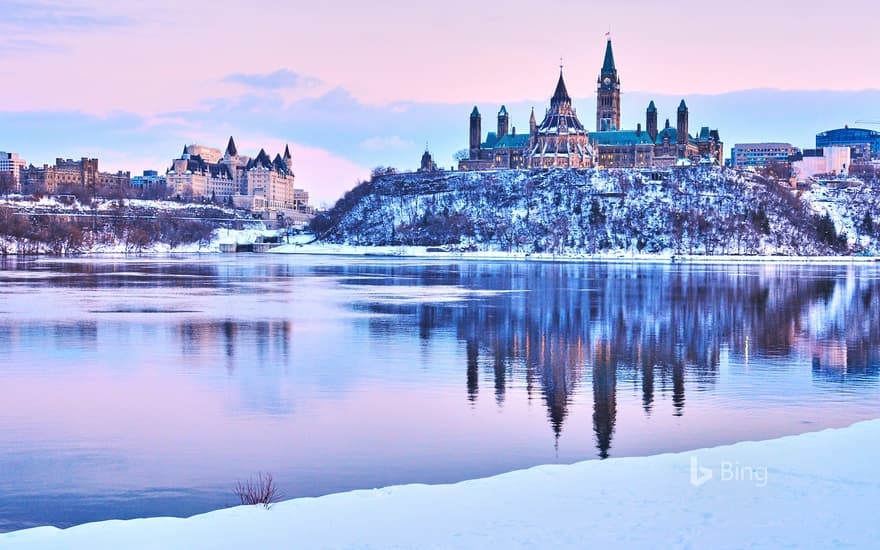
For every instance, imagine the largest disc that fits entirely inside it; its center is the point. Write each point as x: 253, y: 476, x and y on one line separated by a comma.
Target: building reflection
x: 249, y: 342
x: 552, y: 328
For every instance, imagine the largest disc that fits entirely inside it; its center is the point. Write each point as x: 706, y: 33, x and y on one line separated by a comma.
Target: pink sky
x: 154, y: 58
x: 167, y: 55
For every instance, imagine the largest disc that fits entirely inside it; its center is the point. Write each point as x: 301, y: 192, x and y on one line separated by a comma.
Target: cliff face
x: 692, y: 210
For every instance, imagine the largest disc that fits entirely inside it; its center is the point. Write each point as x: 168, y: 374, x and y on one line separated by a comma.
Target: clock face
x: 607, y: 81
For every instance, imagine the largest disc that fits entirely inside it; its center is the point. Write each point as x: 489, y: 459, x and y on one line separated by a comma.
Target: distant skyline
x: 353, y: 85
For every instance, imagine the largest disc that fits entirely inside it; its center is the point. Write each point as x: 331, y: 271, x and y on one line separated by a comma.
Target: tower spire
x: 608, y: 92
x: 608, y: 66
x: 561, y: 93
x: 231, y: 150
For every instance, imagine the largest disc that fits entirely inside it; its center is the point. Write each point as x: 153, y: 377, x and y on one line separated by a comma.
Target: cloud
x: 282, y: 79
x: 35, y: 26
x: 32, y: 17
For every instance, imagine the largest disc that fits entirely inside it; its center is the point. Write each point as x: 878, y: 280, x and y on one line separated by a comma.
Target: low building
x: 827, y: 161
x: 12, y: 164
x: 761, y: 156
x: 150, y: 184
x: 864, y: 144
x: 427, y: 163
x: 68, y: 175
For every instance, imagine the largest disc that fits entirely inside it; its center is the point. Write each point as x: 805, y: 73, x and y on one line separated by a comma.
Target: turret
x: 503, y: 122
x: 533, y: 123
x: 651, y: 121
x: 288, y: 160
x: 427, y: 164
x: 682, y: 123
x: 476, y: 134
x: 231, y: 149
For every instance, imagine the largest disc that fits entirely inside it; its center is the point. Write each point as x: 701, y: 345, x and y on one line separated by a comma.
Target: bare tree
x: 7, y: 184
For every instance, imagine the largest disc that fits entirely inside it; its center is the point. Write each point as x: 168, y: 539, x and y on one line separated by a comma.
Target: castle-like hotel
x: 562, y: 141
x: 259, y: 183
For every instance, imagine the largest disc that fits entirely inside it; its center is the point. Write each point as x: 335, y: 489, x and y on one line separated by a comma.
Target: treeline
x: 63, y: 234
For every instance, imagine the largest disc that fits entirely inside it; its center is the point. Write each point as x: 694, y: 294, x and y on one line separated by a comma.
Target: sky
x: 352, y: 85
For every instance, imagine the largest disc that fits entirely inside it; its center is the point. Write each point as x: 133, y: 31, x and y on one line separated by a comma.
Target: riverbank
x: 816, y: 490
x: 422, y: 252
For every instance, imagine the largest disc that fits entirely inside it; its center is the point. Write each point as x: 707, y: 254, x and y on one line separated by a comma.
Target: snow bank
x: 816, y: 490
x: 440, y: 253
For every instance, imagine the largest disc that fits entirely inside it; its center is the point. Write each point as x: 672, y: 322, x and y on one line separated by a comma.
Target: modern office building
x: 865, y: 144
x: 12, y: 164
x: 760, y: 155
x: 151, y: 183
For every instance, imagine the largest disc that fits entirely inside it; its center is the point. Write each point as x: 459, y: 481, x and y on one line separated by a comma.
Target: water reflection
x: 338, y: 374
x: 560, y: 326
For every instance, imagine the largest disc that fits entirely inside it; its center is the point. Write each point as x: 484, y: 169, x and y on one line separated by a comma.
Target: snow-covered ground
x: 817, y: 490
x: 440, y: 253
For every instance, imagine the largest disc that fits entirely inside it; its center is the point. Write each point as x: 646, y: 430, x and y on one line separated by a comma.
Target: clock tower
x: 608, y: 94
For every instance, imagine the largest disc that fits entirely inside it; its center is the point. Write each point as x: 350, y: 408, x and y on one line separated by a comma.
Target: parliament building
x: 562, y: 141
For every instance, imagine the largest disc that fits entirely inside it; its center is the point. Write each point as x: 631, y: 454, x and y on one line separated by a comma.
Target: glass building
x: 865, y: 144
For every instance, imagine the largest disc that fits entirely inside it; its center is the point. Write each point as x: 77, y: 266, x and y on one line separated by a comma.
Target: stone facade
x: 653, y: 147
x: 258, y: 183
x: 562, y: 141
x: 69, y: 175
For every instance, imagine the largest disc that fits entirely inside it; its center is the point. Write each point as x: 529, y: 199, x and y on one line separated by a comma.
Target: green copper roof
x: 503, y: 111
x: 621, y: 137
x: 519, y: 141
x: 475, y: 112
x: 608, y: 67
x: 651, y: 107
x: 672, y: 132
x: 682, y: 106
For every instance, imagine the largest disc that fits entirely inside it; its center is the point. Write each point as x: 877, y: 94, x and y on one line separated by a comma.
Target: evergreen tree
x: 868, y: 223
x: 825, y: 230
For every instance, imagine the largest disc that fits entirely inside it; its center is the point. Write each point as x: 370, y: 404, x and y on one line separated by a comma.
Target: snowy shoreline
x: 422, y: 252
x: 783, y: 492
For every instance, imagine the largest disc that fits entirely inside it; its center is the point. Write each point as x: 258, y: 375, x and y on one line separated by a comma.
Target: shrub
x: 259, y: 490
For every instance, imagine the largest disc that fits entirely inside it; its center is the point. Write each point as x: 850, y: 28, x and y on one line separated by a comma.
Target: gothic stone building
x: 561, y: 140
x: 68, y: 175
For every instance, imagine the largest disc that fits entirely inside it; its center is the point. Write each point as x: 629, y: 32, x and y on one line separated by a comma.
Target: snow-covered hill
x: 694, y: 210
